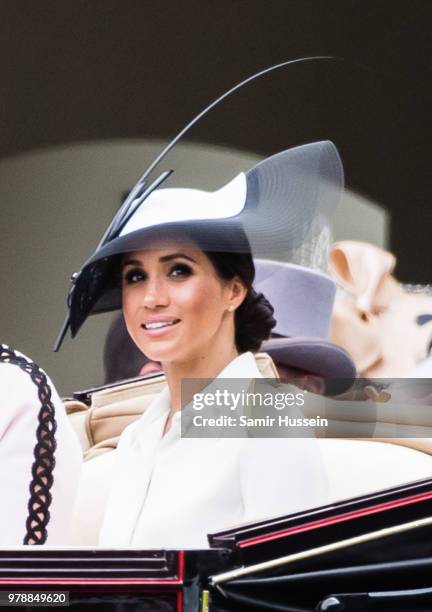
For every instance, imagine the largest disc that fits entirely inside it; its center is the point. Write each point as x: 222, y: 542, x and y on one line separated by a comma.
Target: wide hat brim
x: 276, y: 206
x: 317, y: 356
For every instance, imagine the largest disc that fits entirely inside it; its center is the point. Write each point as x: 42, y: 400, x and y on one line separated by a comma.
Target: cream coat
x: 170, y: 492
x: 19, y: 408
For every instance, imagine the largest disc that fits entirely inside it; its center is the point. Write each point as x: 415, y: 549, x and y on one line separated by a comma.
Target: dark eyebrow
x: 137, y: 262
x: 176, y: 256
x: 132, y: 262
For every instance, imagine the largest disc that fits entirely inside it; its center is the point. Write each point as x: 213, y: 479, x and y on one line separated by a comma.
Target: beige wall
x: 55, y: 205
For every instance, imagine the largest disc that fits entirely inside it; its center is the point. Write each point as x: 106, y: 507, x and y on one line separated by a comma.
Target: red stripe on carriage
x: 181, y: 565
x: 90, y: 581
x: 180, y: 601
x: 335, y: 519
x: 104, y: 581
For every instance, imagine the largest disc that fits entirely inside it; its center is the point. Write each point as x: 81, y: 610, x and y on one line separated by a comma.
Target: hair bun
x: 254, y: 321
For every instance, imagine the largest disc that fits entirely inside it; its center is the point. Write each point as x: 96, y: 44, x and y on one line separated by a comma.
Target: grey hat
x: 303, y: 302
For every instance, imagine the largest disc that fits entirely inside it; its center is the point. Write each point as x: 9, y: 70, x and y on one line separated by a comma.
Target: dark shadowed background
x: 86, y: 71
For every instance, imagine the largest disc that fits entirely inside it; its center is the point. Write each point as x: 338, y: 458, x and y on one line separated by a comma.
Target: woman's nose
x: 155, y: 294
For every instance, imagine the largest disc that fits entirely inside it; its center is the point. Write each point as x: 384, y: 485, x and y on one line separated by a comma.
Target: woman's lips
x: 159, y: 328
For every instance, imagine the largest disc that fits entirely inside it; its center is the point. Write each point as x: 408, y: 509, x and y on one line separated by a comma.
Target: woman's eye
x: 180, y: 270
x: 133, y: 276
x: 423, y: 319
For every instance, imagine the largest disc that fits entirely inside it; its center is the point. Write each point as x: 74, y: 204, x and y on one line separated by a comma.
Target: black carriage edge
x: 367, y: 553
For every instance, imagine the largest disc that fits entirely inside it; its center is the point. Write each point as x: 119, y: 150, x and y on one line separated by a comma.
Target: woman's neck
x: 207, y: 365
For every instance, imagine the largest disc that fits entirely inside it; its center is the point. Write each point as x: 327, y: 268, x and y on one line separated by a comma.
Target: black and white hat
x: 271, y: 210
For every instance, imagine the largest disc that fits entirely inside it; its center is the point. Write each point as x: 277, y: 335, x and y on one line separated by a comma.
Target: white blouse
x: 170, y: 492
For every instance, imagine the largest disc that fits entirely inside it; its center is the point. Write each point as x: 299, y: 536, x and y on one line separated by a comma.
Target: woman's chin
x: 160, y: 351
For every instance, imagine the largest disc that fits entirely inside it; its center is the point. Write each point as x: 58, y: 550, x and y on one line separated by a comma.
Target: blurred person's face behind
x: 151, y: 367
x: 314, y: 383
x: 175, y: 306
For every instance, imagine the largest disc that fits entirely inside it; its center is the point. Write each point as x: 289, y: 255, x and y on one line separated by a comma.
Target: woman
x: 171, y: 290
x: 186, y: 269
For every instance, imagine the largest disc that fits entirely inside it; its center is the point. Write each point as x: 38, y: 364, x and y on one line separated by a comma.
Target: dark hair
x: 254, y: 317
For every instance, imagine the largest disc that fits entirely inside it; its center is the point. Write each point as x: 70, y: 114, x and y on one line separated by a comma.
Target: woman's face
x: 175, y: 306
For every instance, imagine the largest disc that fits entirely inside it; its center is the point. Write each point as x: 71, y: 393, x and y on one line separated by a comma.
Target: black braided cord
x: 44, y: 459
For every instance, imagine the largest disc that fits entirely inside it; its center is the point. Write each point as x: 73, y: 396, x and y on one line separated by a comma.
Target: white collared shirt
x: 170, y: 491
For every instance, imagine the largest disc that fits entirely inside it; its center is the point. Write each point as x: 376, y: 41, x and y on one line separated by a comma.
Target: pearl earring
x: 230, y: 308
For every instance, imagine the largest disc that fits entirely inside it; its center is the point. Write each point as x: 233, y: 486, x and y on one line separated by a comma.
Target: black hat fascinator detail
x: 277, y: 205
